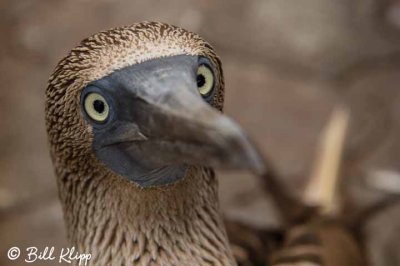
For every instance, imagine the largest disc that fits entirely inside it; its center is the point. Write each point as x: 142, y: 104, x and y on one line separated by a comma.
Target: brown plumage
x: 114, y: 219
x: 166, y: 216
x: 319, y: 243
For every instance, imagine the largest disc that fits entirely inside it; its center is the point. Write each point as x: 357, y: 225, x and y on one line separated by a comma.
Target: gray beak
x: 161, y: 123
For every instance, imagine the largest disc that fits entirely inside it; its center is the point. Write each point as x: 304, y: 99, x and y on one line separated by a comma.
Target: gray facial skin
x: 159, y: 124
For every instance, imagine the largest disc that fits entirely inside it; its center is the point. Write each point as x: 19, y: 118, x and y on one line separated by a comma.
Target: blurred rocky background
x: 287, y: 64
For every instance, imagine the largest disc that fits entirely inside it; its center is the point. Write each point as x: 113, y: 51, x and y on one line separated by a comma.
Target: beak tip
x: 252, y: 156
x: 258, y: 165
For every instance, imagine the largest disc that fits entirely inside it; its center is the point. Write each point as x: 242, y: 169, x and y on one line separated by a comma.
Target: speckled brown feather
x: 322, y: 242
x: 110, y: 217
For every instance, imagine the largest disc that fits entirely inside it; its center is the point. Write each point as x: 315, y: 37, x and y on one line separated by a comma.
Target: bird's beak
x: 193, y: 132
x: 170, y: 124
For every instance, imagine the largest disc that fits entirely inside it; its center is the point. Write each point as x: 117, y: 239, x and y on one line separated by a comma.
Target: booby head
x: 143, y: 102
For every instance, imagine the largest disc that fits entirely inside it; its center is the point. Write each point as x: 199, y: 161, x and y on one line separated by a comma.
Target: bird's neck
x: 121, y: 224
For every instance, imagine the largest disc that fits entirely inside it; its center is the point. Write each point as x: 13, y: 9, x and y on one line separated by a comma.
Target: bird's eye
x: 205, y: 80
x: 96, y: 107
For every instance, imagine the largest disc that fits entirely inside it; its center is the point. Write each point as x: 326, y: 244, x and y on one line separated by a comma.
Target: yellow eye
x: 96, y: 107
x: 205, y: 80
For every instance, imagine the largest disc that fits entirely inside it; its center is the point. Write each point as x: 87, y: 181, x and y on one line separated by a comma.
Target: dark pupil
x: 98, y: 106
x: 201, y: 80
